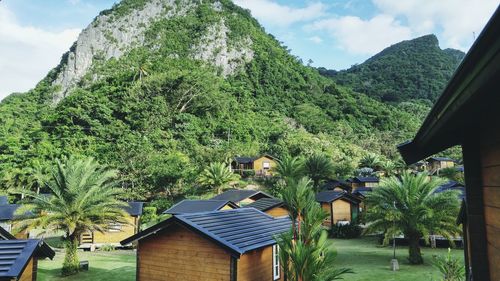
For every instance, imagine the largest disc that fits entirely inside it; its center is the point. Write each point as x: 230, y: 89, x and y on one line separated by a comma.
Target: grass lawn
x: 371, y: 262
x: 103, y: 266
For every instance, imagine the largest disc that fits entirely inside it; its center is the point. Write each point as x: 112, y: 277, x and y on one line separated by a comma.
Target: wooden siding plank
x: 491, y: 176
x: 491, y: 196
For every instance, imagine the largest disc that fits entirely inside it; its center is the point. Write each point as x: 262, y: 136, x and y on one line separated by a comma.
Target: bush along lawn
x: 369, y: 260
x: 103, y: 266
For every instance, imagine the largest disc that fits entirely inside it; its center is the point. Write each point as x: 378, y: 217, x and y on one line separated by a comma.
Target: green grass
x: 103, y: 266
x: 371, y: 262
x: 368, y: 260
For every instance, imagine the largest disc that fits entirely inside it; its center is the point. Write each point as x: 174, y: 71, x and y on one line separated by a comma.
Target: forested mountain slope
x: 413, y: 69
x: 158, y: 89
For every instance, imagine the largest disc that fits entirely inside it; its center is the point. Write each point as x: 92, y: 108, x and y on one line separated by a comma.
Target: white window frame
x: 276, y: 262
x: 266, y: 165
x: 115, y: 227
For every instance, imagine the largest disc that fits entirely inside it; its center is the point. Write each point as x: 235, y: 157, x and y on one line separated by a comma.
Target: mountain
x: 159, y: 88
x: 413, y: 69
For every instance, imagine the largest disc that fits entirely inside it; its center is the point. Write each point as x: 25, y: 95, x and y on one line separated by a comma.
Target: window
x: 114, y: 227
x: 276, y: 262
x: 266, y: 165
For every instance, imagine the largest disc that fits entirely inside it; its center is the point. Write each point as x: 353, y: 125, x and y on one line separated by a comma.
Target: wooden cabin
x: 20, y: 258
x: 115, y: 232
x: 435, y: 164
x: 466, y: 114
x: 196, y: 206
x: 363, y: 182
x: 261, y: 166
x: 341, y: 206
x: 241, y: 197
x: 8, y: 216
x: 271, y: 206
x: 212, y: 246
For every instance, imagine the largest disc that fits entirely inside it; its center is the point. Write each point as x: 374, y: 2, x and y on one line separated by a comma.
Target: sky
x: 335, y: 34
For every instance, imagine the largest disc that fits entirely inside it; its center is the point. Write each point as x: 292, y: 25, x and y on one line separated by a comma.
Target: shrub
x: 248, y: 173
x: 451, y: 268
x: 107, y: 248
x: 149, y: 215
x: 346, y: 231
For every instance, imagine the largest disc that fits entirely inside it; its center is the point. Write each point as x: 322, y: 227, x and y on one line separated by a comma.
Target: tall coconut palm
x: 84, y: 198
x: 318, y: 167
x: 409, y: 205
x: 305, y: 252
x: 290, y: 168
x: 217, y: 176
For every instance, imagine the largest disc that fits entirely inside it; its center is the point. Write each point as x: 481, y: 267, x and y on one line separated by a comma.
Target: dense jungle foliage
x: 160, y: 116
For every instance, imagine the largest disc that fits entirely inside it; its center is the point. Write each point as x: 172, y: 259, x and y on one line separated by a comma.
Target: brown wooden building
x: 340, y: 205
x: 262, y: 166
x: 363, y: 182
x: 467, y: 114
x: 211, y: 246
x: 271, y: 206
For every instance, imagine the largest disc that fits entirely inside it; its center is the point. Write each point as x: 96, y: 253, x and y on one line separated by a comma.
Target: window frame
x: 276, y: 262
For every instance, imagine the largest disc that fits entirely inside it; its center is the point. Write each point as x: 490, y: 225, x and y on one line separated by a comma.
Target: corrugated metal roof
x: 236, y: 195
x: 244, y: 160
x: 265, y: 204
x: 4, y: 200
x: 329, y: 196
x: 7, y: 211
x: 238, y: 230
x: 197, y: 206
x: 15, y: 255
x: 366, y: 179
x: 134, y: 208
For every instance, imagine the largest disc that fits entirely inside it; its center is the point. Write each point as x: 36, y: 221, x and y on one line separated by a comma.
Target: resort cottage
x: 197, y: 206
x: 363, y: 182
x: 211, y: 246
x: 435, y: 164
x: 341, y: 206
x: 115, y: 231
x: 259, y: 166
x: 466, y: 114
x: 241, y: 197
x: 271, y: 206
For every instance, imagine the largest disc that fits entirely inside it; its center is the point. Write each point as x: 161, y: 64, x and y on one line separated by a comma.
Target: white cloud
x: 316, y: 39
x: 363, y: 37
x: 455, y: 19
x: 28, y: 53
x: 273, y: 13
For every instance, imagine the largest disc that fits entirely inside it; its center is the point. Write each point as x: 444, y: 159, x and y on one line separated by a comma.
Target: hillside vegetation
x: 203, y: 84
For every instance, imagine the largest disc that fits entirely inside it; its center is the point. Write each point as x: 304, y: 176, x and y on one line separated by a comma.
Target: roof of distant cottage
x: 265, y: 204
x: 329, y: 196
x: 197, y: 206
x: 237, y: 195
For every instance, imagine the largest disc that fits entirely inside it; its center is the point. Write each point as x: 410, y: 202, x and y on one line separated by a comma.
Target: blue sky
x: 333, y: 33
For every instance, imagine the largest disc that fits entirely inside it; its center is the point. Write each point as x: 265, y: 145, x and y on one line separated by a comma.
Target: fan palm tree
x: 84, y: 198
x: 217, y: 176
x: 409, y: 205
x: 305, y: 252
x: 290, y: 168
x: 318, y: 167
x: 371, y: 160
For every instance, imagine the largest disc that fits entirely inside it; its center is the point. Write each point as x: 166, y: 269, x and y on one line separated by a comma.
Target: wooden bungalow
x: 117, y: 231
x: 196, y: 206
x: 261, y: 166
x: 435, y: 164
x: 466, y: 114
x: 241, y: 197
x: 8, y: 216
x: 340, y: 205
x: 271, y: 206
x: 363, y: 182
x: 212, y: 246
x: 20, y: 258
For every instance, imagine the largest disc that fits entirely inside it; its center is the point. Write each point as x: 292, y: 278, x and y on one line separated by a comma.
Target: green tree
x: 371, y: 160
x: 318, y: 167
x: 290, y: 168
x: 453, y: 174
x: 83, y: 198
x: 305, y: 252
x: 217, y: 176
x: 409, y: 205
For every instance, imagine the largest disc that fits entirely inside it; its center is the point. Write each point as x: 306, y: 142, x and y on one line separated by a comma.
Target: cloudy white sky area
x: 332, y: 33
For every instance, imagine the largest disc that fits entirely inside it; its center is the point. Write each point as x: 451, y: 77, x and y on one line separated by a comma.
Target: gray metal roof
x: 329, y: 196
x: 238, y: 230
x: 197, y: 206
x: 7, y: 211
x: 236, y: 195
x: 244, y: 160
x: 366, y: 179
x: 265, y: 204
x: 4, y: 200
x: 134, y: 208
x: 16, y: 254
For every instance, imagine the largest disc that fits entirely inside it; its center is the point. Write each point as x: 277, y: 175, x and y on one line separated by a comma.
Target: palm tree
x: 409, y: 205
x: 305, y: 252
x: 84, y: 198
x: 388, y: 168
x: 318, y: 167
x: 217, y: 176
x: 371, y: 160
x: 290, y: 168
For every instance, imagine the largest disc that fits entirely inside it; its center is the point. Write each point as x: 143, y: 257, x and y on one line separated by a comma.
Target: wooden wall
x: 29, y: 271
x: 115, y: 237
x: 258, y: 165
x: 227, y: 207
x: 256, y: 266
x: 277, y: 212
x: 341, y: 210
x: 179, y: 254
x: 327, y: 208
x: 490, y: 166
